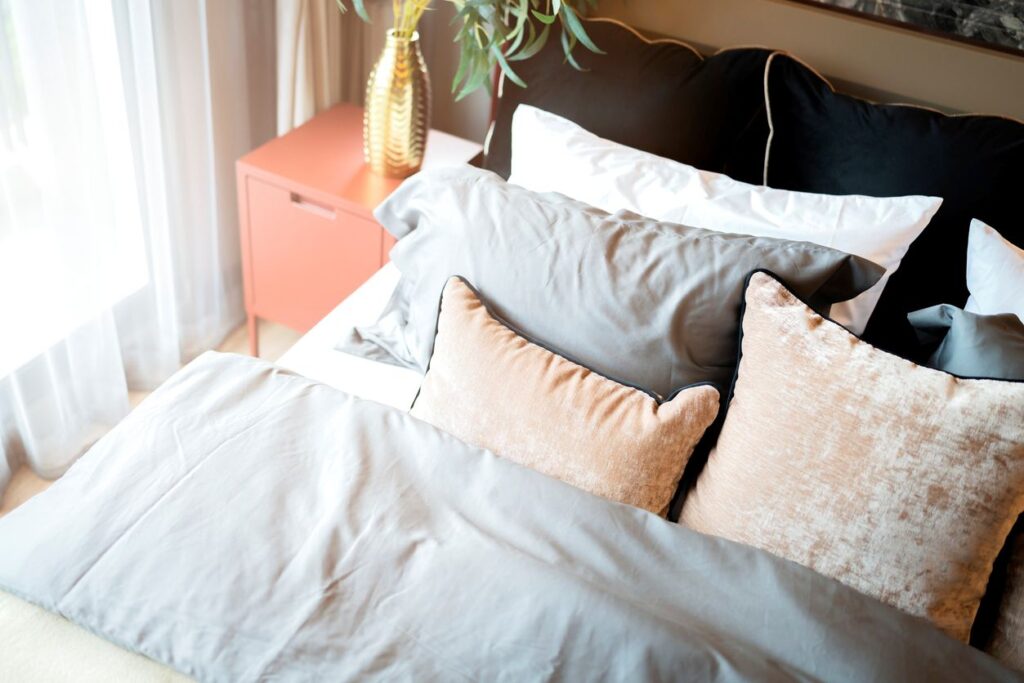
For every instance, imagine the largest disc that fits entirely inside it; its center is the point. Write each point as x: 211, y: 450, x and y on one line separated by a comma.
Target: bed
x: 664, y: 404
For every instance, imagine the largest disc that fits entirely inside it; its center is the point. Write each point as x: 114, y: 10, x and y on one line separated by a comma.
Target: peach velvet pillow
x: 897, y: 480
x: 492, y: 388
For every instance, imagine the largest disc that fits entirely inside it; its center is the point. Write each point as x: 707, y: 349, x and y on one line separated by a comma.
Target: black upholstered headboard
x: 664, y: 97
x: 660, y: 96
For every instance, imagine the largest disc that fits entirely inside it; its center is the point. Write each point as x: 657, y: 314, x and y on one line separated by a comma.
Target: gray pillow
x: 972, y: 345
x: 654, y: 305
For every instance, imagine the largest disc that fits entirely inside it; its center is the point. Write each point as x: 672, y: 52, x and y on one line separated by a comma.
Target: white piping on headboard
x: 649, y: 41
x: 676, y: 41
x: 768, y: 113
x: 774, y: 52
x: 487, y: 138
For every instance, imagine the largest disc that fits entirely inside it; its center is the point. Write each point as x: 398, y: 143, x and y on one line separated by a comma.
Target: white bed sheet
x: 315, y: 357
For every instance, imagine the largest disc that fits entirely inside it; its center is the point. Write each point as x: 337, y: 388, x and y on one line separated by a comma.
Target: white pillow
x: 553, y: 154
x: 995, y: 273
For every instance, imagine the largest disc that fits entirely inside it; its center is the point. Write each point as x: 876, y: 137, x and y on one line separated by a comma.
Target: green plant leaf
x: 532, y: 46
x: 460, y: 73
x: 568, y: 43
x: 545, y: 18
x: 512, y: 75
x: 478, y: 78
x: 570, y: 20
x: 522, y: 14
x: 360, y: 8
x: 491, y: 34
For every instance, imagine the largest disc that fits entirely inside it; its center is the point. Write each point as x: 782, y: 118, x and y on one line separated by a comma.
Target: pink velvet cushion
x: 898, y: 480
x: 492, y: 388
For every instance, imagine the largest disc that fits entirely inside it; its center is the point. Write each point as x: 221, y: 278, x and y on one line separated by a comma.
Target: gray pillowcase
x: 649, y: 304
x: 972, y: 345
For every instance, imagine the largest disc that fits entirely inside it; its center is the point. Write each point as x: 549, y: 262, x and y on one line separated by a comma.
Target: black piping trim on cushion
x: 743, y: 310
x: 536, y: 342
x: 983, y: 629
x: 984, y: 620
x: 702, y: 451
x: 675, y: 503
x: 771, y: 125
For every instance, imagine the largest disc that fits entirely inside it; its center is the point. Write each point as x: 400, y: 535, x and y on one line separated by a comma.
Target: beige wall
x: 865, y: 57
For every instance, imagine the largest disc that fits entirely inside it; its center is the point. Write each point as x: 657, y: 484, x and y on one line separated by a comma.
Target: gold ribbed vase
x: 397, y: 114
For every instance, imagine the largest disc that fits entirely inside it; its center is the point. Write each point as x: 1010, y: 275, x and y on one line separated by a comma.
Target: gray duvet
x: 245, y: 524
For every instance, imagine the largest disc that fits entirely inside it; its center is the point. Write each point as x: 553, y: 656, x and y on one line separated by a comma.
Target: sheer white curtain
x: 324, y: 57
x: 120, y: 121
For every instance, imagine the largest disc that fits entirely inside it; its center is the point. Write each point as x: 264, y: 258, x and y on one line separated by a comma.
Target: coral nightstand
x: 305, y: 203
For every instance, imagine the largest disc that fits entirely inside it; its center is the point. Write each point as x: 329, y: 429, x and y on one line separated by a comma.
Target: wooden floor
x: 274, y: 341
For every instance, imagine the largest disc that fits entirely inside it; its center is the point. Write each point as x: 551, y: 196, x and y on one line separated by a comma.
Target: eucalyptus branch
x: 498, y: 33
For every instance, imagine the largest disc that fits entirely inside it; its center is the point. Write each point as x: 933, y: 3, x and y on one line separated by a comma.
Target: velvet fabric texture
x: 897, y: 480
x: 662, y: 97
x: 492, y: 388
x: 969, y: 344
x: 822, y: 141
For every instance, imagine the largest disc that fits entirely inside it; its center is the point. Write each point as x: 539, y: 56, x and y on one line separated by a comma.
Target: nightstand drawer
x: 306, y: 256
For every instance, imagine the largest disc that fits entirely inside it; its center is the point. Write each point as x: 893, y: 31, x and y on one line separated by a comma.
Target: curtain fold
x: 118, y: 135
x: 323, y: 56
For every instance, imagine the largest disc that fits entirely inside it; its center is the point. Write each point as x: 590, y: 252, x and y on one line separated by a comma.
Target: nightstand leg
x: 254, y: 341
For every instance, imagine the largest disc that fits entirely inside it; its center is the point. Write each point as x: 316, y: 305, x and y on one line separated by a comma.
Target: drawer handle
x: 311, y: 206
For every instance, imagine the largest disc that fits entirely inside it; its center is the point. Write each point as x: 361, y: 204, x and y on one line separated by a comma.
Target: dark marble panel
x: 998, y: 23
